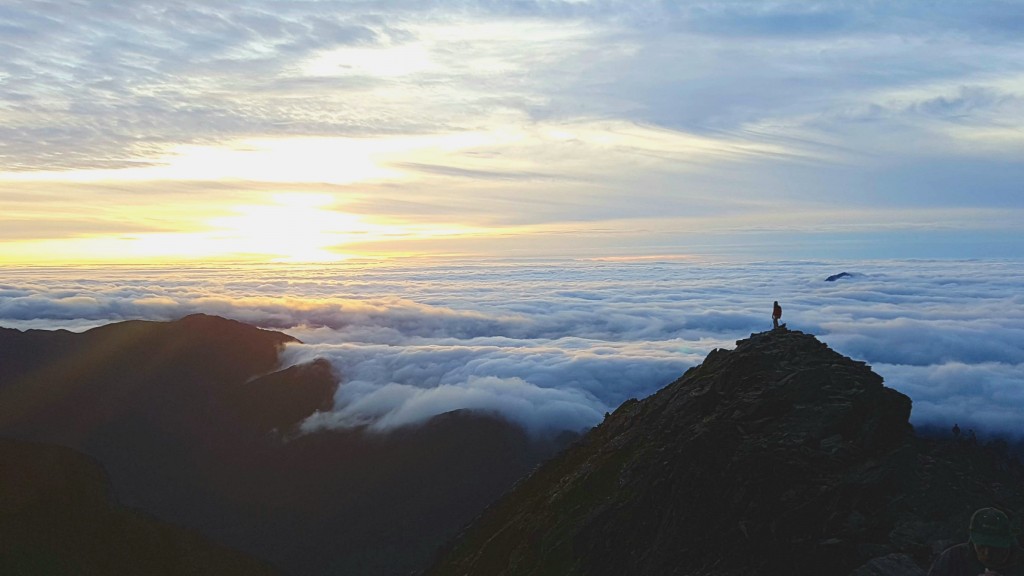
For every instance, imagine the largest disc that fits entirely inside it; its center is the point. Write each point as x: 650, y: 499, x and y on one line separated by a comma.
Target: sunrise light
x: 284, y: 228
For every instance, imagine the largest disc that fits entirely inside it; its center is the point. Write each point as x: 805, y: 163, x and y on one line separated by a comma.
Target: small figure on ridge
x: 776, y: 314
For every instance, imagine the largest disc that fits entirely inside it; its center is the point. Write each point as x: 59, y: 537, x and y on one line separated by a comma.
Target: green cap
x: 991, y: 527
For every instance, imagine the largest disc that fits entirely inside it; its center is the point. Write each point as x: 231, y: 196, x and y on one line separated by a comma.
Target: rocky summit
x: 780, y: 456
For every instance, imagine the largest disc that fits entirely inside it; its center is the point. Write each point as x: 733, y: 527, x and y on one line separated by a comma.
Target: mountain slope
x: 778, y: 457
x: 194, y: 423
x: 68, y: 387
x: 56, y: 518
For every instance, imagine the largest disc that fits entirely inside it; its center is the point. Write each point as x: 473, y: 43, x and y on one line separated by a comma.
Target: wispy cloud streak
x: 718, y: 116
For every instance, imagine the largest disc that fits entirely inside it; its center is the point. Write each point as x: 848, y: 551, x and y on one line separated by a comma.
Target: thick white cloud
x: 545, y: 385
x: 555, y: 344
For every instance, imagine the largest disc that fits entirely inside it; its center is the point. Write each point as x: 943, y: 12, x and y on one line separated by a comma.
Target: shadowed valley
x: 195, y: 425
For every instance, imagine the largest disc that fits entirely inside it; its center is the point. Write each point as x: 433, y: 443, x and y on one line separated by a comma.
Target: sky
x: 269, y: 131
x: 555, y: 344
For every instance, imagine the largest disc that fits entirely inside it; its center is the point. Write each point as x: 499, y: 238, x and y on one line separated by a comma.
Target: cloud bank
x: 553, y: 345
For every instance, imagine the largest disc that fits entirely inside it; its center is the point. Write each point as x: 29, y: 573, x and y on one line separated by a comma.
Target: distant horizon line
x: 438, y: 259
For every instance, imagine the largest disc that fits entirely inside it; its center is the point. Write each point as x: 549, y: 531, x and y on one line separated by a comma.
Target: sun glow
x: 294, y: 228
x: 291, y: 227
x: 280, y: 200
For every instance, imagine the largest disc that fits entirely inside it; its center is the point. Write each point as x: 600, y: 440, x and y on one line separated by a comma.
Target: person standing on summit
x: 776, y: 314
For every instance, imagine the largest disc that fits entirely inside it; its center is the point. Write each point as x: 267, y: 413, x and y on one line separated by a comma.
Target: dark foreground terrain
x: 778, y: 457
x: 143, y: 425
x: 172, y: 448
x: 57, y: 517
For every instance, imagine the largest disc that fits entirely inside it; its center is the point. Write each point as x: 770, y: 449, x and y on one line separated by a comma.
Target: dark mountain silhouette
x: 839, y: 276
x: 57, y: 518
x: 778, y: 457
x: 195, y: 424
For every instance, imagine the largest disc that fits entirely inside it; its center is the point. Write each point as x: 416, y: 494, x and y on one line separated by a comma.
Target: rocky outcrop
x: 778, y: 457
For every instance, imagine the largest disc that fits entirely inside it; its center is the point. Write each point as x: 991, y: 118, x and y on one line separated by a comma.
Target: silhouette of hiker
x: 991, y: 549
x: 956, y: 431
x: 776, y: 314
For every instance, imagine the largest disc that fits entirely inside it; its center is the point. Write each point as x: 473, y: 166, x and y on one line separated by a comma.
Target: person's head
x: 991, y: 536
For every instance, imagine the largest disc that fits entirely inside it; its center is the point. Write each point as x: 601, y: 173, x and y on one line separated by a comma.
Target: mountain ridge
x: 780, y: 456
x: 194, y: 422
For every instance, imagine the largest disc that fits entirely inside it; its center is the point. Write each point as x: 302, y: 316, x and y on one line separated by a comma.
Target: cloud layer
x: 554, y: 345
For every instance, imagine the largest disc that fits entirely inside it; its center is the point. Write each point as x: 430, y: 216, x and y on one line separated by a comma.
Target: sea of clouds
x: 554, y: 345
